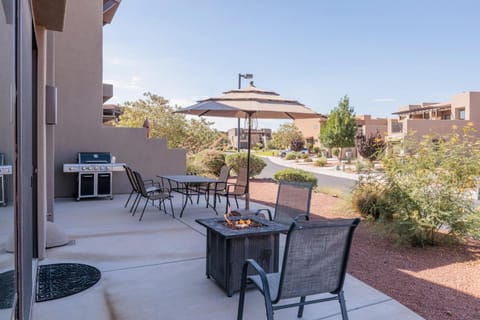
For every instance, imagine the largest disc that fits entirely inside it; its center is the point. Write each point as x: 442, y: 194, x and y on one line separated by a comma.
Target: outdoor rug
x: 7, y: 289
x: 59, y: 280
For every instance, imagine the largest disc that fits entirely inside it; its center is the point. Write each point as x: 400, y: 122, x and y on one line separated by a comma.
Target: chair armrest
x: 261, y: 272
x: 149, y: 181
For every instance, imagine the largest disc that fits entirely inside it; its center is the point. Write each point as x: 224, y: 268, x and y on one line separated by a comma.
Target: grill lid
x: 94, y: 157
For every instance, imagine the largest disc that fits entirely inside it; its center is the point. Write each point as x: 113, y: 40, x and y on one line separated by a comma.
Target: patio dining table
x: 189, y: 183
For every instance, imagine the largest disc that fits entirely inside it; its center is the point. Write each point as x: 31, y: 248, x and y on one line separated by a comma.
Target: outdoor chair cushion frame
x: 214, y: 187
x: 315, y: 261
x: 157, y: 194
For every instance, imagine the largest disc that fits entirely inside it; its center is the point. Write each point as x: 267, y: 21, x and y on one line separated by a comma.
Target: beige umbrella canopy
x: 251, y: 102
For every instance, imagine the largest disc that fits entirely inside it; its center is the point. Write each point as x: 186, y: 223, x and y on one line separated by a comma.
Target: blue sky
x: 383, y: 54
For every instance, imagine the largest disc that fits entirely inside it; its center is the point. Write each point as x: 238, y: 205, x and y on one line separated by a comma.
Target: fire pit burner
x: 236, y: 222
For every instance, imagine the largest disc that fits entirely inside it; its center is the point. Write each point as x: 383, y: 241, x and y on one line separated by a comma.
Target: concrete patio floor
x: 155, y: 269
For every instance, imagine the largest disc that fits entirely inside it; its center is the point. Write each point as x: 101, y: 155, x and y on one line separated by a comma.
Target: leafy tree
x: 370, y: 147
x: 340, y: 128
x: 193, y: 135
x: 288, y: 136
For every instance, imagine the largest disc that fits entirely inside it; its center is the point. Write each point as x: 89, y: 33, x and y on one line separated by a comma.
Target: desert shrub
x: 239, y: 160
x: 291, y: 156
x: 321, y: 162
x: 361, y: 166
x: 207, y: 162
x: 295, y: 175
x: 308, y: 159
x: 316, y: 149
x: 304, y: 156
x: 370, y: 147
x: 432, y: 184
x: 372, y: 198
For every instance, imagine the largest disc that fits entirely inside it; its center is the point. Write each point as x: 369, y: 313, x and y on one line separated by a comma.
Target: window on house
x: 461, y: 114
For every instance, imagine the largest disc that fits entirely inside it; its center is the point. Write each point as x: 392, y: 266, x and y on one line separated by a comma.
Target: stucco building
x: 262, y: 136
x: 51, y: 96
x: 435, y: 117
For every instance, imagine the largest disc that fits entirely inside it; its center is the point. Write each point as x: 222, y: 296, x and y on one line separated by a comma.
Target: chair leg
x: 143, y: 211
x: 135, y: 202
x: 136, y: 205
x: 343, y: 306
x: 268, y: 307
x: 171, y: 207
x: 128, y: 200
x: 241, y: 300
x: 236, y: 201
x: 300, y: 308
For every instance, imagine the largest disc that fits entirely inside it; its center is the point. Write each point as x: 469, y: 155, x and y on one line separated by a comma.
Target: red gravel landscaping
x: 441, y: 282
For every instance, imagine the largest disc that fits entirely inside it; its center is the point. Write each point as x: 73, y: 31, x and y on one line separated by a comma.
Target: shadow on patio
x: 155, y: 269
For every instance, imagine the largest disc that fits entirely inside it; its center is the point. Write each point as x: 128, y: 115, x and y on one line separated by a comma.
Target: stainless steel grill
x: 94, y: 171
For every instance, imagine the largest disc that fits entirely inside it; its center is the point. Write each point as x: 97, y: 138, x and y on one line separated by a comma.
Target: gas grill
x: 4, y: 170
x: 94, y: 171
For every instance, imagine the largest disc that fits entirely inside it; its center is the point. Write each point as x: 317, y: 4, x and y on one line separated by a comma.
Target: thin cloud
x: 380, y: 100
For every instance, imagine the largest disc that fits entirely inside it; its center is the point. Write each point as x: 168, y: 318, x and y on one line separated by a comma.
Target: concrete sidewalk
x: 155, y: 269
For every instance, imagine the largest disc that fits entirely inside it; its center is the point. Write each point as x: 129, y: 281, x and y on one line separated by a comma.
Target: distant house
x: 435, y: 117
x: 257, y: 136
x: 111, y: 114
x: 366, y: 125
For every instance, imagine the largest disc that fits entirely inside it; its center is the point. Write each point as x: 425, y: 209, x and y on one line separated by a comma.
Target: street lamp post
x: 240, y: 76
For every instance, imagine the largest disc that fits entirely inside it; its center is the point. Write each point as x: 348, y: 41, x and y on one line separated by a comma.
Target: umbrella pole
x: 247, y: 187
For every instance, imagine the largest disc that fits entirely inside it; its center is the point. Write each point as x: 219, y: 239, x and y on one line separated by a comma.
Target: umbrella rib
x: 288, y: 115
x: 205, y: 112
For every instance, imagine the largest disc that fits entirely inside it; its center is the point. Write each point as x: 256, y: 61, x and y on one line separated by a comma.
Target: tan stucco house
x: 436, y: 118
x: 51, y: 96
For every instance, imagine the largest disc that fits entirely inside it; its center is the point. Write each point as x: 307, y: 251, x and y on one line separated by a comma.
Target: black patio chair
x: 314, y: 262
x: 237, y: 189
x: 293, y: 203
x: 157, y: 194
x: 149, y: 184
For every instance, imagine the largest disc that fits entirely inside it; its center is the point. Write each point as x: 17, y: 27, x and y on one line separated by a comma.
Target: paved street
x: 324, y: 180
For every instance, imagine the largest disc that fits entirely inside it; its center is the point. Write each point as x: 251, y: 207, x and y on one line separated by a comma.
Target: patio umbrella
x: 250, y: 102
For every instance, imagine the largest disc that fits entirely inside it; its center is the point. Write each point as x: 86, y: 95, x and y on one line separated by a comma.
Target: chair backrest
x: 131, y: 178
x: 241, y: 183
x: 316, y: 256
x: 224, y: 175
x: 141, y: 185
x: 293, y: 200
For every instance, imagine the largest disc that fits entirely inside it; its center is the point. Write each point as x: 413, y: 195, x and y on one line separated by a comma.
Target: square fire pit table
x: 227, y: 249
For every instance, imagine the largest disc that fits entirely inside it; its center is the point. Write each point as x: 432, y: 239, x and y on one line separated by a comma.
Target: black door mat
x: 7, y: 289
x: 60, y: 280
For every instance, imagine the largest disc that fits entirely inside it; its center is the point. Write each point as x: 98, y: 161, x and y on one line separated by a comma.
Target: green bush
x: 291, y: 156
x: 321, y: 162
x: 207, y: 162
x: 316, y: 149
x: 304, y: 156
x: 239, y: 160
x: 308, y: 159
x: 335, y: 152
x: 428, y: 189
x: 371, y: 198
x: 295, y: 175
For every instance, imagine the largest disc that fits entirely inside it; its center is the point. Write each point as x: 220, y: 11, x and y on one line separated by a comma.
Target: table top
x: 218, y: 225
x: 179, y: 178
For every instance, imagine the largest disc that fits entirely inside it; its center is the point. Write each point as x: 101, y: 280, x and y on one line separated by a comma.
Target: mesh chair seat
x: 273, y: 283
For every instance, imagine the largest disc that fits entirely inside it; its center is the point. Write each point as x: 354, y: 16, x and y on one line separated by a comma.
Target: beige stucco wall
x: 78, y: 75
x: 308, y: 127
x: 435, y: 127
